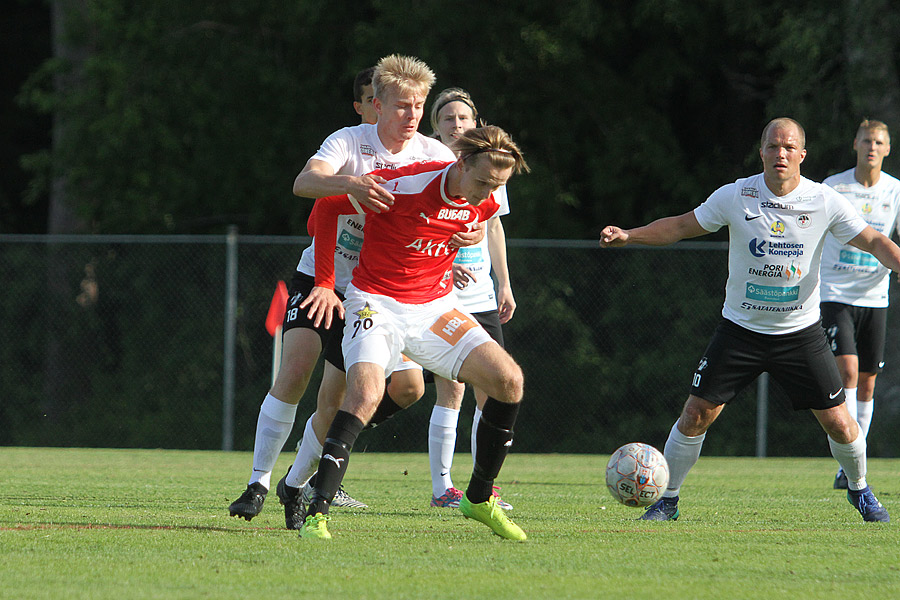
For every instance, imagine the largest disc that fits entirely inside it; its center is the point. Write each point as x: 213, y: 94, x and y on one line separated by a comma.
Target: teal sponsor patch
x: 349, y: 241
x: 468, y: 256
x: 863, y: 259
x: 768, y: 293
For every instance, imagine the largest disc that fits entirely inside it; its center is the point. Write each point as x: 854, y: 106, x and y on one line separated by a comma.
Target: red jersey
x: 405, y: 253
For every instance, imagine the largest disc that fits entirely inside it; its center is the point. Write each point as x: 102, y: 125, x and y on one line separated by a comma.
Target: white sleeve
x: 844, y: 222
x: 335, y: 150
x: 712, y: 215
x: 503, y: 200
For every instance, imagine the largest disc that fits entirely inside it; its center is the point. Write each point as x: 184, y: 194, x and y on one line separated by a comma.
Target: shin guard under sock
x: 494, y: 438
x: 335, y: 455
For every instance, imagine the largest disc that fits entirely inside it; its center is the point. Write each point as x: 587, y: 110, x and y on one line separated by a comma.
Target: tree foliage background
x: 186, y: 116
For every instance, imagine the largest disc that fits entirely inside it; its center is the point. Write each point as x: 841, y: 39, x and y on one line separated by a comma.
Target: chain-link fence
x: 123, y: 341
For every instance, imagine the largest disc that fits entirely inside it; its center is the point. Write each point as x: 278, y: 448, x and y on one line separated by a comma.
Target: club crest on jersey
x: 366, y: 312
x: 454, y: 214
x: 777, y: 229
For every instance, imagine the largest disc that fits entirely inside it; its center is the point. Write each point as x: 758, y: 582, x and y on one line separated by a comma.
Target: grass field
x: 88, y: 523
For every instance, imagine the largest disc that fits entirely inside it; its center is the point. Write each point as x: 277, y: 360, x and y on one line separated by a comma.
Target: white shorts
x: 406, y: 364
x: 437, y: 335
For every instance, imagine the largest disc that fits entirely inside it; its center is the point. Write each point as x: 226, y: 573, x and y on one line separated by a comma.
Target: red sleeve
x: 322, y: 225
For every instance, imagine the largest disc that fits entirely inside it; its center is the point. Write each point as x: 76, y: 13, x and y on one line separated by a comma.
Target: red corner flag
x: 276, y: 310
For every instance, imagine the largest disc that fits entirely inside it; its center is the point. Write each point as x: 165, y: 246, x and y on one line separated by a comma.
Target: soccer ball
x: 637, y: 474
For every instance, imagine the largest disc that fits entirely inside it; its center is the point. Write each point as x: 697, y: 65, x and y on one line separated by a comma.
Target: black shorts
x: 490, y: 320
x: 801, y: 362
x: 301, y: 285
x: 858, y: 330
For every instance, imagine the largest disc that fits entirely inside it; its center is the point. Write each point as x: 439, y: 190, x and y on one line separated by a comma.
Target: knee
x: 290, y: 385
x: 407, y: 393
x: 512, y: 384
x: 695, y: 419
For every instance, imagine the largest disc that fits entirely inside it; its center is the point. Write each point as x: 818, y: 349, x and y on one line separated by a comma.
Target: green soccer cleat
x: 493, y: 516
x: 315, y: 527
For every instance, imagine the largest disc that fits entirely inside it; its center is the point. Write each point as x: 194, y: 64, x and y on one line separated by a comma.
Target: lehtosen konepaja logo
x: 760, y: 248
x: 768, y: 293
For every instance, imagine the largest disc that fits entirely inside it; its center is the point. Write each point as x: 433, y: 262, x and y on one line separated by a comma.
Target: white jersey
x: 774, y: 249
x: 356, y: 151
x: 849, y: 275
x: 479, y: 296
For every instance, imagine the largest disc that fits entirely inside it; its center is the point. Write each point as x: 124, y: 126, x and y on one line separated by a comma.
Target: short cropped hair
x: 444, y: 98
x: 493, y: 142
x: 363, y: 78
x: 403, y: 74
x: 783, y: 122
x: 873, y: 125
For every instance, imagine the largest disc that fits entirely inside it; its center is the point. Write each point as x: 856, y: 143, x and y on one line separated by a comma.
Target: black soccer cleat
x: 294, y: 504
x: 250, y: 503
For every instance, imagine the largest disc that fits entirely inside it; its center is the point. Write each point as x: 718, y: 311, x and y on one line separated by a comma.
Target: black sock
x: 386, y: 409
x: 335, y: 455
x: 494, y: 437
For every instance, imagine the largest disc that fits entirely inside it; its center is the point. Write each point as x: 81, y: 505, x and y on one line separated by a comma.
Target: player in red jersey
x: 399, y: 302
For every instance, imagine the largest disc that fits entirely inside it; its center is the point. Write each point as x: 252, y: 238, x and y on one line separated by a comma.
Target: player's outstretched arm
x: 506, y: 303
x: 661, y: 232
x: 318, y: 180
x: 880, y: 246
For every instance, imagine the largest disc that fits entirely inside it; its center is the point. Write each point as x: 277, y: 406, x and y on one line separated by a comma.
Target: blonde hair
x: 493, y: 142
x: 781, y: 122
x: 403, y: 74
x: 447, y: 96
x: 873, y: 125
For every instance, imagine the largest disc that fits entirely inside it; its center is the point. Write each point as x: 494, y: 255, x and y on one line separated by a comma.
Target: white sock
x: 682, y: 453
x: 441, y: 444
x: 850, y: 401
x: 852, y: 458
x: 308, y: 455
x: 864, y: 416
x: 276, y: 419
x: 476, y: 418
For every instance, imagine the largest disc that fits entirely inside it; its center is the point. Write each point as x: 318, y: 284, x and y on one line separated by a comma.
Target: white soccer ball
x: 637, y: 474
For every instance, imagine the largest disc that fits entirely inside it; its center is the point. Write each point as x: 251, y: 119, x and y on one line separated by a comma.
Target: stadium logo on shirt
x: 777, y: 229
x: 776, y: 205
x: 804, y: 221
x: 366, y: 150
x: 750, y: 192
